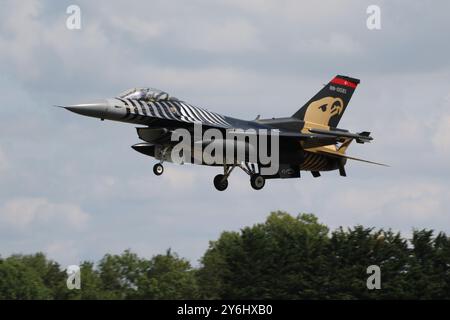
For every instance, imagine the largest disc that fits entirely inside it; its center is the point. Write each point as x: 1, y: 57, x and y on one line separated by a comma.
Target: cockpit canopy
x: 146, y: 94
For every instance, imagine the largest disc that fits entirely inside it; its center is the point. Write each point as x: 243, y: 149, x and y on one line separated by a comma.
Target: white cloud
x: 399, y: 203
x: 441, y: 137
x: 104, y: 185
x: 3, y: 161
x: 292, y: 10
x: 336, y: 43
x: 224, y: 78
x: 26, y: 213
x: 233, y: 36
x: 141, y: 30
x: 181, y: 178
x: 67, y: 251
x: 21, y: 34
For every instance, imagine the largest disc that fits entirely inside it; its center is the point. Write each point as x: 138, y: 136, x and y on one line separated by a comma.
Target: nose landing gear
x: 158, y: 169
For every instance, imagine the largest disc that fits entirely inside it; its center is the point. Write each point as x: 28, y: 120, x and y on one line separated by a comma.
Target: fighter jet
x: 309, y: 140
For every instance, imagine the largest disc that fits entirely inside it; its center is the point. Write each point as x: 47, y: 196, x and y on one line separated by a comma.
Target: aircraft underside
x: 308, y: 162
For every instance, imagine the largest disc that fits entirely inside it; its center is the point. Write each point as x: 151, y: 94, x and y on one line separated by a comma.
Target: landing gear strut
x: 257, y: 181
x: 158, y: 169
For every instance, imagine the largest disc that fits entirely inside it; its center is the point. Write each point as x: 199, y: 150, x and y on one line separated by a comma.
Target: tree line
x: 285, y: 257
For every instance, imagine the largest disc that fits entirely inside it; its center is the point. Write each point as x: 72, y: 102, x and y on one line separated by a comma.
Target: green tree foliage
x: 168, y: 277
x: 429, y: 269
x: 285, y: 257
x: 19, y: 281
x: 297, y: 258
x: 48, y: 271
x: 353, y: 250
x: 165, y: 276
x: 120, y: 274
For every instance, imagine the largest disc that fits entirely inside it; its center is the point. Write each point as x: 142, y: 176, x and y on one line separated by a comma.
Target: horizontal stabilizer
x: 367, y: 161
x: 340, y: 155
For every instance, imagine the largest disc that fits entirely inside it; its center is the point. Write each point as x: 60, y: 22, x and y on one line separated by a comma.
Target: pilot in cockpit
x: 156, y: 95
x: 147, y: 94
x: 136, y: 95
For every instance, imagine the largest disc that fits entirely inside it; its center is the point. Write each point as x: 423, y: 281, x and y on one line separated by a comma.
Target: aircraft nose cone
x: 95, y: 109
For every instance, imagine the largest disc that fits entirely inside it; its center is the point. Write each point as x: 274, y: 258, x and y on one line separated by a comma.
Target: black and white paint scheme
x: 310, y: 139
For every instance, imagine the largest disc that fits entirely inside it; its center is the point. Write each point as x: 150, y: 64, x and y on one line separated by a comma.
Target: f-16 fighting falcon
x: 309, y: 140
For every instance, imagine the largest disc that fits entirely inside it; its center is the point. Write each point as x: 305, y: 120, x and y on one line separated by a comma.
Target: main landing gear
x: 220, y: 182
x: 257, y: 181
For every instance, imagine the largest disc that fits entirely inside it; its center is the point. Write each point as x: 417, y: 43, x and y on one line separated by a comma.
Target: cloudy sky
x: 73, y: 188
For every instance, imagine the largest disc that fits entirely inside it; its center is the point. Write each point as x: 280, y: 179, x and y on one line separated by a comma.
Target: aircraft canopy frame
x: 147, y: 94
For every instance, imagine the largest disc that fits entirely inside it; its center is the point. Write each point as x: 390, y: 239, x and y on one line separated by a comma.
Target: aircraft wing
x: 310, y: 140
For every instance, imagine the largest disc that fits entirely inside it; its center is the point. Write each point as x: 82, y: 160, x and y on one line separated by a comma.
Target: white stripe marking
x: 193, y: 116
x: 207, y: 116
x: 177, y: 114
x: 155, y: 110
x: 185, y: 115
x: 195, y: 113
x: 218, y: 118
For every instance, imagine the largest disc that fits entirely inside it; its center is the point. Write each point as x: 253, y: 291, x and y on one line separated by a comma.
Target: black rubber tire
x: 220, y: 183
x: 257, y: 181
x: 158, y: 169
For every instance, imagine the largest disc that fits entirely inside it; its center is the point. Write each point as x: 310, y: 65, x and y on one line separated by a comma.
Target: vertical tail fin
x: 328, y: 105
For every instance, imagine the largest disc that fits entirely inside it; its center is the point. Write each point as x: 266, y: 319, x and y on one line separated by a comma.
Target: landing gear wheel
x: 220, y: 182
x: 257, y: 181
x: 158, y: 169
